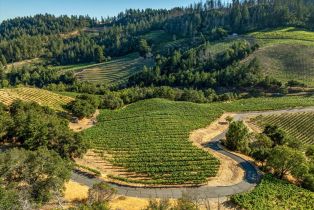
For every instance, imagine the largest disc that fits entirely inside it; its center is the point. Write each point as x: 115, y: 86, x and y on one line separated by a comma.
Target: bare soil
x: 84, y: 123
x: 230, y: 172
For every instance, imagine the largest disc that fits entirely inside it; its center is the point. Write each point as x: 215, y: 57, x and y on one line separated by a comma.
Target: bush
x: 237, y: 137
x: 83, y: 106
x: 111, y: 101
x: 308, y: 182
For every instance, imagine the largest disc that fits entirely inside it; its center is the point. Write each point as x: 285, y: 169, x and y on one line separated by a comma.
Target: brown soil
x: 251, y: 125
x: 84, y: 123
x: 230, y: 172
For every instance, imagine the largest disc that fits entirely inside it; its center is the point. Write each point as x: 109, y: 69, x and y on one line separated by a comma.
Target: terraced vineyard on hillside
x: 151, y: 138
x: 297, y: 125
x: 284, y: 35
x: 40, y: 96
x: 116, y: 70
x: 286, y: 54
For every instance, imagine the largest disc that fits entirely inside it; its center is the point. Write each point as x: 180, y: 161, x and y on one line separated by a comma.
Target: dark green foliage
x: 35, y: 175
x: 237, y: 137
x: 111, y: 101
x: 34, y: 126
x: 144, y: 48
x: 277, y: 135
x: 261, y: 147
x: 294, y: 83
x: 38, y: 76
x: 99, y: 54
x: 197, y: 68
x: 42, y: 25
x: 83, y: 106
x: 286, y: 160
x: 308, y: 182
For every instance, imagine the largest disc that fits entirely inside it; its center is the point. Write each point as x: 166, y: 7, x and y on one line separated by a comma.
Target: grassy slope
x: 158, y: 124
x: 286, y: 54
x: 299, y: 125
x: 42, y: 97
x: 274, y: 194
x: 115, y: 70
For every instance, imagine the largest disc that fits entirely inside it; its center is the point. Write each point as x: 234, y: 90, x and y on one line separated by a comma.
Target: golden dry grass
x: 40, y: 96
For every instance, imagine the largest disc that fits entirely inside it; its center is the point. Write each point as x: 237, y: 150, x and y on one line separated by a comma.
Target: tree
x: 35, y: 126
x: 219, y: 33
x: 35, y: 175
x: 5, y: 121
x: 3, y: 60
x: 277, y: 135
x: 285, y: 160
x: 99, y: 54
x: 237, y: 137
x: 100, y: 193
x: 144, y: 48
x: 81, y: 108
x: 261, y: 147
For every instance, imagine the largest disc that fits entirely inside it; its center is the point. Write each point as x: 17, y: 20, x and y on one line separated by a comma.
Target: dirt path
x: 85, y: 123
x: 229, y: 173
x: 232, y: 180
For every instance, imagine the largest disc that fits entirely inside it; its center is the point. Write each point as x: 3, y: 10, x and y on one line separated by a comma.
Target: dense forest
x: 184, y: 69
x: 41, y: 35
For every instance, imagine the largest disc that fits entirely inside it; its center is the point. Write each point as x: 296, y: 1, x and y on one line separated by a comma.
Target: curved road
x: 250, y: 180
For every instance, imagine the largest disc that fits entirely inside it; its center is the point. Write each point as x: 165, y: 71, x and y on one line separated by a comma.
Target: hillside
x: 286, y: 54
x: 116, y: 70
x: 40, y: 96
x: 298, y: 126
x: 148, y: 138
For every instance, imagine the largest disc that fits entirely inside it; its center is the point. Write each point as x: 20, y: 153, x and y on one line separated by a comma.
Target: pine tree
x: 99, y: 54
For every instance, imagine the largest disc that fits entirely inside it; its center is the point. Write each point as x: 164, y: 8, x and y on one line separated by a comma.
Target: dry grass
x: 40, y: 96
x: 84, y: 123
x: 230, y: 172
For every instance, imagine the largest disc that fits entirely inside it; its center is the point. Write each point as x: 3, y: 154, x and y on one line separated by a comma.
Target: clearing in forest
x: 117, y: 70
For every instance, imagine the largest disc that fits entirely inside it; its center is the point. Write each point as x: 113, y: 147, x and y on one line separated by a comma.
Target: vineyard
x: 151, y: 138
x: 286, y: 54
x: 288, y: 62
x: 297, y: 125
x: 114, y: 71
x: 273, y: 193
x: 284, y: 35
x: 40, y: 96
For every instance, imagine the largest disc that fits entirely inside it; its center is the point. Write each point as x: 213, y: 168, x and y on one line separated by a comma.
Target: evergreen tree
x: 99, y: 54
